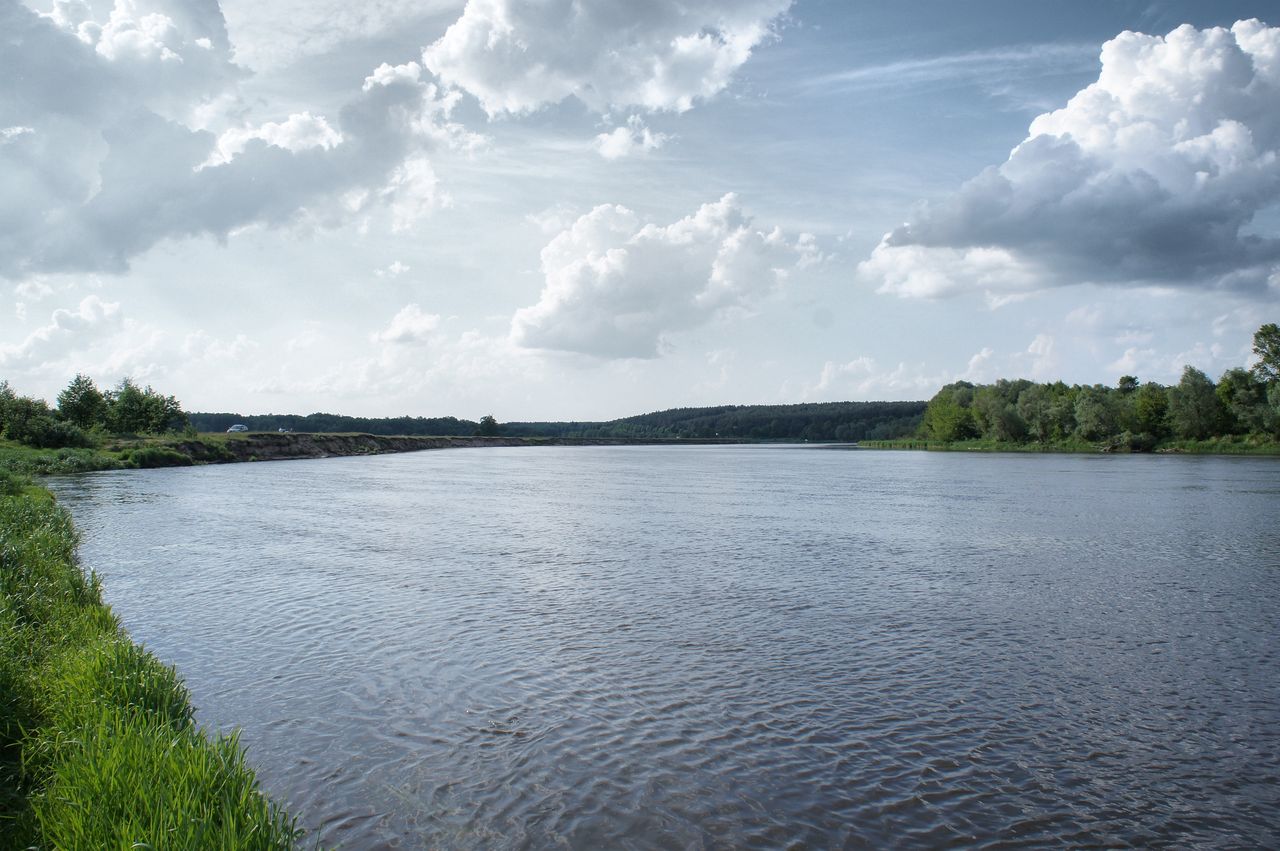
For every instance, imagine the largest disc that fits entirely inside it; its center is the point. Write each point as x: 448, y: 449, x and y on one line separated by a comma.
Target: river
x: 722, y: 646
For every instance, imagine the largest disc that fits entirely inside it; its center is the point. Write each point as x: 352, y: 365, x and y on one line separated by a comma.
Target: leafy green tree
x: 6, y: 399
x: 948, y: 416
x: 488, y: 426
x: 995, y: 412
x: 1151, y: 410
x: 1266, y: 345
x: 1244, y: 399
x: 133, y: 410
x: 81, y: 403
x: 127, y: 408
x: 1033, y: 407
x: 1095, y: 414
x: 1271, y: 416
x: 1194, y: 409
x: 20, y: 416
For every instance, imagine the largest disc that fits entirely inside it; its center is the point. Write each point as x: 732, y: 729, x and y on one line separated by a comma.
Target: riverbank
x: 98, y: 743
x: 1227, y: 445
x: 186, y: 450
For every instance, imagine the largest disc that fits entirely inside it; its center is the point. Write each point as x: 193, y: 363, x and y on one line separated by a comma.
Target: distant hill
x: 840, y: 421
x: 818, y: 421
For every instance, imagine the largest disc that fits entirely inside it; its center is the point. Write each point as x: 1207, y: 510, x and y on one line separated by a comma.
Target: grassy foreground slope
x: 98, y: 744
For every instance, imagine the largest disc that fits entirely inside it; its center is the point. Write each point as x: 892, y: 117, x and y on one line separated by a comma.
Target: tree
x: 82, y: 404
x: 947, y: 416
x: 1127, y: 384
x: 1244, y: 398
x: 1151, y: 410
x: 1266, y: 345
x: 131, y: 410
x: 22, y: 416
x: 488, y: 426
x: 1095, y: 415
x: 1194, y: 409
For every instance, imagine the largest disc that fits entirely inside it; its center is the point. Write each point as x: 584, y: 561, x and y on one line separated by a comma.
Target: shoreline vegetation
x: 1226, y: 445
x: 1237, y: 415
x: 98, y: 743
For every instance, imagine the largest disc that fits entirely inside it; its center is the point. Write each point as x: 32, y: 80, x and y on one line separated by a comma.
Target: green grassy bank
x: 98, y: 745
x: 1226, y: 445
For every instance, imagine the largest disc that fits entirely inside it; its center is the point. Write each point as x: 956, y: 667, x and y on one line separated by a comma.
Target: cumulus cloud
x: 268, y: 36
x: 662, y: 55
x: 411, y: 325
x: 634, y: 137
x: 66, y: 330
x: 615, y: 287
x: 297, y: 133
x: 106, y: 165
x: 165, y: 51
x: 1150, y: 176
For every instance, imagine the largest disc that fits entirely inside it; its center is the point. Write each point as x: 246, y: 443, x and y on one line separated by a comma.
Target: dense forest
x: 839, y: 421
x: 1133, y: 415
x: 822, y: 421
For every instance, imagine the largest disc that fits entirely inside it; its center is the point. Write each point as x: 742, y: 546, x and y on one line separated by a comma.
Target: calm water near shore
x: 729, y: 646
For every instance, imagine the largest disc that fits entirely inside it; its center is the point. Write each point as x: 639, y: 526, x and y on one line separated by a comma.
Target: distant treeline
x: 820, y: 421
x: 1132, y: 415
x: 432, y: 426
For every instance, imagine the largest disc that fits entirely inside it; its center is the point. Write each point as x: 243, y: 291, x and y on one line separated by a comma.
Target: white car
x: 237, y: 428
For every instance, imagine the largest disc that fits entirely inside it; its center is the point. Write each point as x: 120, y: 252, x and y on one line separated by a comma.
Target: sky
x: 562, y: 210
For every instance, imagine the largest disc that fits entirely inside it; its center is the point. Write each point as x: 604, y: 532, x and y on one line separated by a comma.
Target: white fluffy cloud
x: 629, y: 139
x: 104, y: 162
x: 66, y: 330
x: 297, y: 133
x: 411, y: 325
x: 1150, y: 176
x: 517, y: 56
x: 271, y: 35
x: 616, y: 287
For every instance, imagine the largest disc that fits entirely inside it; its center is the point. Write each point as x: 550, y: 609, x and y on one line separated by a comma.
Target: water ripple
x: 723, y: 647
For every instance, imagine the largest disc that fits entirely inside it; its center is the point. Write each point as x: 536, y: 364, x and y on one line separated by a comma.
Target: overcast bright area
x: 586, y: 210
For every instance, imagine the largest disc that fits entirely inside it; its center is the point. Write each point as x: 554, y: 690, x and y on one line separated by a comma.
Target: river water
x: 722, y: 646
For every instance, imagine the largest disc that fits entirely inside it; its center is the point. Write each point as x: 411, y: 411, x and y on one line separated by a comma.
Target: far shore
x: 219, y: 448
x: 1228, y: 445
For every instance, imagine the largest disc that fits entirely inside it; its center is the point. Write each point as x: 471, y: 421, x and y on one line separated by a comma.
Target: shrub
x: 157, y: 456
x: 48, y: 433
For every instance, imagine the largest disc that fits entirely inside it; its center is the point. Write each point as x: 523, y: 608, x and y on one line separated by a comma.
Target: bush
x: 48, y: 433
x: 1129, y: 442
x: 11, y: 484
x: 156, y: 456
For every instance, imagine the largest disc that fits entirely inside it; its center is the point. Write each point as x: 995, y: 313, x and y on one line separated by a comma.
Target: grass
x: 1228, y: 445
x: 98, y: 743
x: 980, y: 445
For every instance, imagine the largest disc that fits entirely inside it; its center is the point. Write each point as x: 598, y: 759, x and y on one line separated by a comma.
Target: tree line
x: 1132, y: 415
x: 84, y: 414
x: 329, y: 423
x: 820, y: 421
